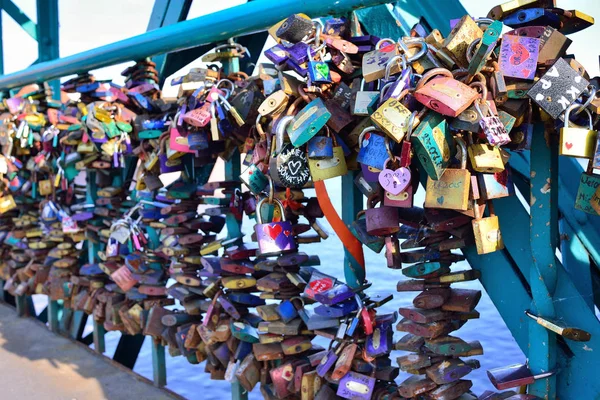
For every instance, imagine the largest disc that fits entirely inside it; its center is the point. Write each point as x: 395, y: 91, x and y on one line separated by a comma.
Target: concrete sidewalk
x: 36, y: 364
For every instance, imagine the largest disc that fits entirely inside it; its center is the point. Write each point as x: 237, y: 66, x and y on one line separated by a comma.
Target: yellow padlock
x: 451, y: 190
x: 487, y: 231
x: 576, y: 141
x: 485, y: 158
x: 329, y: 167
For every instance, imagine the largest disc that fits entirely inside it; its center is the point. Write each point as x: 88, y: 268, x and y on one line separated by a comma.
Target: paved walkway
x: 36, y: 364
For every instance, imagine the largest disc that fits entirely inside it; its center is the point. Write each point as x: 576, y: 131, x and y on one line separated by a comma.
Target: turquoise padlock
x: 308, y: 122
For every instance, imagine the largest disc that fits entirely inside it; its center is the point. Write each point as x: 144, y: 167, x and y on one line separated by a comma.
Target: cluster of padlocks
x: 88, y: 217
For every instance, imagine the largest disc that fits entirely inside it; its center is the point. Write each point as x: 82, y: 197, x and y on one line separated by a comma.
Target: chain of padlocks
x: 334, y: 99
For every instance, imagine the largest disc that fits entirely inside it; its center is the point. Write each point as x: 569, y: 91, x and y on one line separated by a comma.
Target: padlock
x: 577, y: 141
x: 295, y: 28
x: 588, y: 185
x: 374, y: 63
x: 359, y: 229
x: 356, y: 386
x: 395, y: 181
x: 459, y: 39
x: 329, y: 167
x: 483, y: 48
x: 318, y: 71
x: 381, y: 221
x: 392, y: 118
x: 558, y: 88
x: 553, y: 44
x: 372, y: 151
x: 320, y: 147
x: 492, y: 127
x: 451, y: 191
x: 254, y: 179
x: 363, y: 102
x: 433, y: 144
x: 308, y: 122
x: 485, y: 158
x: 532, y: 17
x: 274, y: 237
x: 514, y: 376
x: 487, y: 231
x: 519, y: 56
x: 444, y: 94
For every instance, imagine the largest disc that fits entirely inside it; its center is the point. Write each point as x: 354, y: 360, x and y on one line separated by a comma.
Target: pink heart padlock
x: 394, y: 181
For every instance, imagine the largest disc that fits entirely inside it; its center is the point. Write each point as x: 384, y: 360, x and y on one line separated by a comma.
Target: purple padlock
x: 396, y: 87
x: 167, y: 165
x: 380, y: 341
x: 356, y: 386
x: 277, y: 54
x: 518, y: 56
x: 299, y: 52
x: 335, y: 295
x: 274, y: 237
x: 328, y: 361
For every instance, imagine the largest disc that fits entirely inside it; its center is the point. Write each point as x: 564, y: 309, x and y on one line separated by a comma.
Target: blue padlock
x: 372, y: 152
x: 532, y: 17
x: 320, y: 147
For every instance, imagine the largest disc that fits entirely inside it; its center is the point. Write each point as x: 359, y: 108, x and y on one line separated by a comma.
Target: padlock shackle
x: 431, y: 74
x: 463, y: 149
x: 406, y: 43
x: 275, y: 201
x: 390, y: 63
x: 471, y: 49
x: 362, y: 134
x: 568, y: 115
x: 592, y: 93
x: 381, y: 42
x: 388, y: 148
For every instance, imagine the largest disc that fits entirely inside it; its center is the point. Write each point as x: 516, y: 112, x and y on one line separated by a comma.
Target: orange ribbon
x: 350, y: 242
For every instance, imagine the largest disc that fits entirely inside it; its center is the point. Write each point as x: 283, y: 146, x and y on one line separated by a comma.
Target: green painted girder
x: 20, y: 18
x: 164, y: 13
x: 437, y: 13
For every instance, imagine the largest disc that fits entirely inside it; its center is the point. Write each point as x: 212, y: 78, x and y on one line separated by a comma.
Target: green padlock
x: 308, y: 122
x: 433, y: 144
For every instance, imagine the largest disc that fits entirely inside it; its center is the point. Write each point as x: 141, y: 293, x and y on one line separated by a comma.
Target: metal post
x: 48, y: 37
x: 352, y: 203
x: 158, y: 364
x: 543, y: 271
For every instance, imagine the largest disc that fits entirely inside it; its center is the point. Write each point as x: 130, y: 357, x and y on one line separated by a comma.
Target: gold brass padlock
x: 576, y: 141
x: 485, y: 158
x: 487, y: 231
x: 464, y: 33
x: 451, y: 190
x: 392, y: 118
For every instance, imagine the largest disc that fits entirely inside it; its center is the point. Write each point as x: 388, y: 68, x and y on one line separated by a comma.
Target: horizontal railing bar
x: 235, y: 21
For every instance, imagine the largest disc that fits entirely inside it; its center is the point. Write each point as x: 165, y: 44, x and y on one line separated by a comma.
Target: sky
x: 88, y: 24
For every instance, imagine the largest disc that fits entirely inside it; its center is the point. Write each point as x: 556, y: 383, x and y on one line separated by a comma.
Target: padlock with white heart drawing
x: 274, y: 237
x: 577, y: 141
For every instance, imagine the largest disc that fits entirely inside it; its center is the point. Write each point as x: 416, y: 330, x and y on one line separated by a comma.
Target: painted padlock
x: 356, y: 386
x: 444, y: 94
x: 274, y: 237
x: 577, y: 141
x: 308, y: 122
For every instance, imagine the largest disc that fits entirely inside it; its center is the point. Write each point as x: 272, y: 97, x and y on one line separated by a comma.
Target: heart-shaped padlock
x: 394, y: 181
